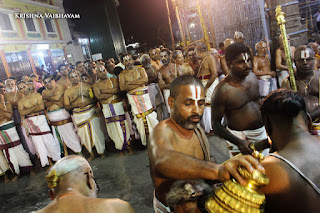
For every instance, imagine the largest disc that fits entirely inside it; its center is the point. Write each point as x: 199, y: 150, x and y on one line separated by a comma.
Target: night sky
x: 143, y: 21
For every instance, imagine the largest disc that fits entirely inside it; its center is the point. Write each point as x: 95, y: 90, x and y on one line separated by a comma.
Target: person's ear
x: 170, y: 102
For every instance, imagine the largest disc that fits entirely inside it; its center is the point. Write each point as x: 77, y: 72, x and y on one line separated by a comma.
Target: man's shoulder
x: 115, y: 205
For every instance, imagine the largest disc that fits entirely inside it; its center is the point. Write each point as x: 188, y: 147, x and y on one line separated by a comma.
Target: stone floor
x: 126, y: 177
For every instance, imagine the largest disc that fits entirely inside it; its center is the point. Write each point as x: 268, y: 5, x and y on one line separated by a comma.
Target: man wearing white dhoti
x: 208, y: 75
x: 31, y: 106
x: 262, y: 68
x: 80, y: 99
x: 133, y: 80
x: 107, y: 92
x: 60, y: 120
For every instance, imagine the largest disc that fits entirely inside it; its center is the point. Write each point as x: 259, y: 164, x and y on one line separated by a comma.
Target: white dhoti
x: 267, y: 84
x: 144, y: 115
x: 282, y: 74
x: 3, y: 164
x: 117, y: 125
x: 63, y: 129
x: 89, y: 128
x: 166, y: 94
x: 206, y: 118
x: 42, y: 139
x: 12, y: 149
x: 253, y: 136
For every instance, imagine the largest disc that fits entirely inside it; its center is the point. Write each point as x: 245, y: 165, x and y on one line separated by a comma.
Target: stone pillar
x: 293, y: 24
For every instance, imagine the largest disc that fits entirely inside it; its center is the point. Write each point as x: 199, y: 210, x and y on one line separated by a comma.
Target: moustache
x: 195, y: 117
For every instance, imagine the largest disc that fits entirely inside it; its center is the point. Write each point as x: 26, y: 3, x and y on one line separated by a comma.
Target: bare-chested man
x: 79, y: 99
x: 155, y: 60
x: 223, y: 61
x: 31, y: 106
x: 315, y: 47
x: 10, y: 144
x: 192, y: 59
x: 179, y: 148
x: 307, y: 81
x: 236, y: 98
x: 155, y: 93
x: 12, y: 97
x: 262, y: 69
x: 208, y: 75
x: 107, y: 91
x: 178, y: 60
x: 281, y: 60
x: 73, y: 189
x: 239, y: 38
x: 60, y: 120
x: 294, y: 180
x: 166, y: 74
x: 64, y: 80
x: 133, y: 80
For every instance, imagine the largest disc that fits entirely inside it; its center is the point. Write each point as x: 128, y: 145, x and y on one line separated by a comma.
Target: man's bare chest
x: 190, y: 147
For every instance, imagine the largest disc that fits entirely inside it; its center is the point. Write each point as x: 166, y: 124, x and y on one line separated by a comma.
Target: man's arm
x: 279, y: 61
x: 224, y: 65
x: 177, y: 165
x: 58, y: 93
x: 23, y: 111
x: 125, y: 86
x: 162, y: 84
x: 6, y: 110
x: 40, y: 103
x: 143, y: 77
x: 218, y: 103
x: 213, y: 70
x: 98, y: 94
x: 67, y: 104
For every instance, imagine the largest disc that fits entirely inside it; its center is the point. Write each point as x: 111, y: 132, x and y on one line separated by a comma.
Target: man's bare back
x: 79, y: 203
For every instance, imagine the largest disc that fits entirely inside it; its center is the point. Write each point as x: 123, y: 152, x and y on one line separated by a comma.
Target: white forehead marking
x: 245, y: 57
x: 196, y: 92
x: 305, y: 54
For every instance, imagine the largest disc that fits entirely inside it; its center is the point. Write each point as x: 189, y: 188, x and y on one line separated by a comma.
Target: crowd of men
x: 79, y: 109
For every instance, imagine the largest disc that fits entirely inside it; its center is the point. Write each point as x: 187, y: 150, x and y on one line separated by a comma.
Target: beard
x: 10, y: 90
x: 186, y: 123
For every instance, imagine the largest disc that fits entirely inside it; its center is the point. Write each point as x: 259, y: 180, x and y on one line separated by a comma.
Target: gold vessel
x: 233, y: 197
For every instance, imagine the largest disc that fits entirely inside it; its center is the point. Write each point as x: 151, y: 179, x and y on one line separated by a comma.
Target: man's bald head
x: 304, y: 59
x: 72, y: 172
x: 183, y: 80
x: 228, y: 42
